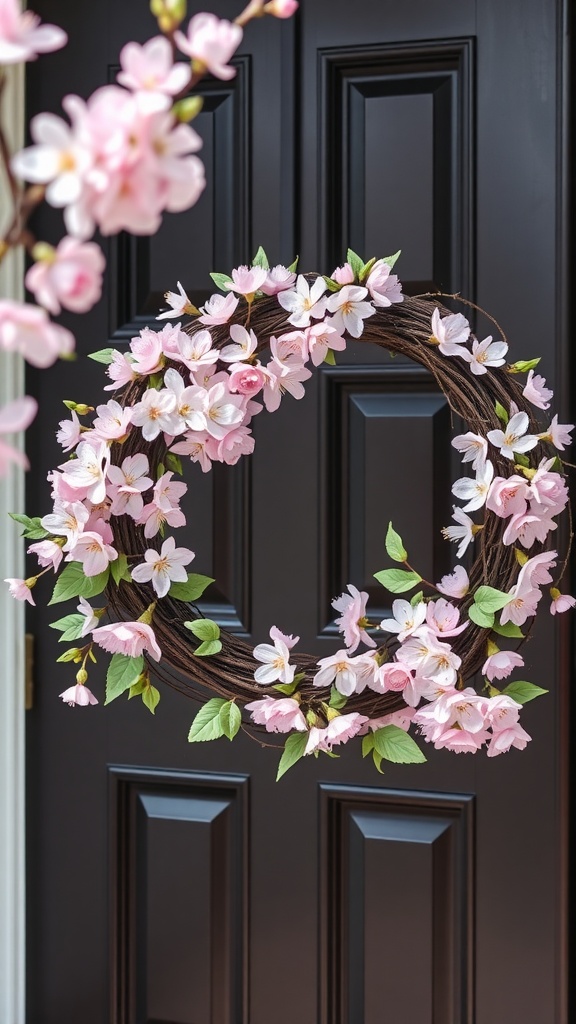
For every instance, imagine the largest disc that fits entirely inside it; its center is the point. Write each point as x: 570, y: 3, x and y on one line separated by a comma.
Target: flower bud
x: 186, y: 110
x: 43, y: 252
x: 81, y: 676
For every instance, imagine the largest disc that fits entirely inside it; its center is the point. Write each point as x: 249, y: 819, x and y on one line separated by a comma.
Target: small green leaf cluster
x: 209, y: 633
x: 216, y: 718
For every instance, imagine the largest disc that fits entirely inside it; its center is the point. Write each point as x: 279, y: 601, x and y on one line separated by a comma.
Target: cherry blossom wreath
x: 192, y: 392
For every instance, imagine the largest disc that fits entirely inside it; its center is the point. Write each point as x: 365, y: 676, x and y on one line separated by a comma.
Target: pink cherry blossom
x: 190, y: 408
x: 460, y: 741
x: 154, y: 518
x: 244, y: 345
x: 195, y: 350
x: 536, y: 392
x: 223, y: 411
x: 508, y: 496
x: 92, y: 551
x: 523, y: 602
x: 322, y: 337
x: 450, y: 332
x: 164, y: 567
x: 291, y: 348
x: 455, y: 584
x: 350, y: 310
x: 147, y: 352
x: 57, y: 159
x: 392, y: 676
x: 406, y: 618
x: 22, y: 37
x: 237, y: 442
x: 218, y: 309
x: 27, y: 330
x: 464, y: 532
x: 20, y: 589
x: 353, y: 618
x: 535, y: 570
x: 339, y: 730
x: 485, y: 353
x: 281, y: 8
x: 282, y: 378
x: 343, y: 275
x: 68, y: 276
x: 442, y: 618
x: 69, y: 434
x: 278, y: 279
x: 503, y: 739
x: 384, y: 287
x: 548, y: 488
x: 431, y: 659
x: 156, y: 412
x: 14, y: 417
x: 501, y: 664
x: 529, y: 528
x: 558, y: 434
x: 151, y: 68
x: 463, y: 708
x: 562, y: 603
x: 475, y: 491
x: 246, y: 379
x: 304, y: 302
x: 120, y: 371
x: 78, y: 696
x: 275, y: 659
x: 475, y: 448
x: 47, y: 552
x: 246, y: 280
x: 129, y: 481
x: 513, y: 438
x: 195, y: 445
x: 112, y: 421
x: 129, y: 638
x: 178, y: 302
x: 277, y: 715
x: 402, y: 719
x: 210, y: 43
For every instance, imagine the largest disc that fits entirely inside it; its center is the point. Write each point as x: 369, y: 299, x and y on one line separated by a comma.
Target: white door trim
x: 12, y: 762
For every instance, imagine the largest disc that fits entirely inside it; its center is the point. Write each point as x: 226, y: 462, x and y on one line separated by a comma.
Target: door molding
x: 12, y: 763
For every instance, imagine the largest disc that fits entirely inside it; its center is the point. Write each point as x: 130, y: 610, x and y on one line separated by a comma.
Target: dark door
x: 179, y: 884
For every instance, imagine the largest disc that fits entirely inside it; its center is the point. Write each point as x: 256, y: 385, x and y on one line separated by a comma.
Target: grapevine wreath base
x: 192, y: 391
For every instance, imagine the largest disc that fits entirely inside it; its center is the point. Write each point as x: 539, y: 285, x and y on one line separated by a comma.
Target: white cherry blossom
x: 223, y: 411
x: 350, y: 310
x: 474, y: 492
x: 244, y: 345
x: 450, y: 333
x: 304, y: 302
x: 485, y: 353
x: 178, y: 302
x: 406, y: 619
x: 66, y: 520
x: 474, y: 447
x: 163, y: 567
x: 464, y: 532
x: 275, y: 659
x: 87, y: 472
x: 514, y: 438
x: 195, y: 350
x: 156, y: 412
x: 191, y: 402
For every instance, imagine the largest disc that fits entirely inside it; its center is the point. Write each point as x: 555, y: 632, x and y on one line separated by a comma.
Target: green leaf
x: 480, y: 617
x: 522, y: 691
x: 151, y: 698
x: 289, y: 688
x: 523, y: 365
x: 139, y: 686
x: 33, y: 529
x: 155, y: 380
x: 364, y: 273
x: 367, y: 743
x: 103, y: 355
x: 355, y: 261
x: 501, y: 412
x: 72, y: 582
x: 119, y: 569
x: 230, y: 719
x: 293, y: 266
x: 337, y: 699
x: 521, y: 460
x: 394, y: 545
x: 331, y: 284
x: 417, y: 598
x: 70, y: 626
x: 261, y: 259
x: 207, y: 725
x: 491, y: 600
x: 391, y: 260
x: 208, y: 647
x: 397, y: 580
x: 377, y: 758
x: 204, y: 629
x: 393, y: 744
x: 293, y: 750
x: 220, y: 280
x: 192, y: 589
x: 122, y: 674
x: 330, y: 358
x: 508, y: 629
x: 174, y: 462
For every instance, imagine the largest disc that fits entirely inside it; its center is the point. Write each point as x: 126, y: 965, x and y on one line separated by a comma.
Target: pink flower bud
x: 343, y: 274
x: 247, y: 380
